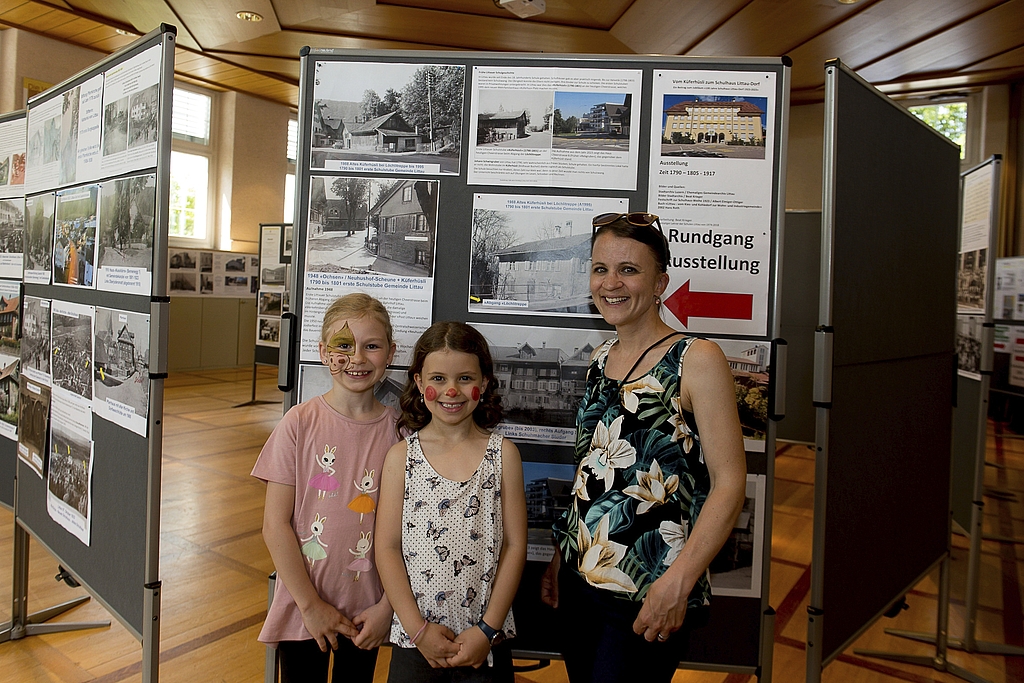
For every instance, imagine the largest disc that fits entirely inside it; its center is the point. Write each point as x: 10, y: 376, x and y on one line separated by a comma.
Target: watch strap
x: 488, y: 631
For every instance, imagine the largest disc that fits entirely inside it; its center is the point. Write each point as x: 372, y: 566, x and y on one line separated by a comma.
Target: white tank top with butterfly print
x: 451, y: 539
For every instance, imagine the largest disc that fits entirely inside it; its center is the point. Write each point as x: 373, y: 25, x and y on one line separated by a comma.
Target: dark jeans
x: 303, y: 662
x: 598, y: 641
x: 408, y: 665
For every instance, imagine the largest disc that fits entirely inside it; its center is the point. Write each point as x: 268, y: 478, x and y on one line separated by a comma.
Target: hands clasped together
x: 443, y: 649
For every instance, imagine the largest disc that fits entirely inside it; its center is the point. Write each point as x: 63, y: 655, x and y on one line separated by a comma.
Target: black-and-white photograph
x: 971, y: 279
x: 366, y: 225
x: 719, y: 126
x: 39, y: 236
x: 35, y: 338
x: 236, y: 284
x: 235, y: 265
x: 274, y: 275
x: 270, y: 303
x: 143, y: 112
x: 121, y: 376
x: 74, y: 236
x: 9, y: 379
x: 182, y: 282
x: 71, y: 344
x: 531, y: 254
x: 387, y: 113
x: 541, y: 373
x: 269, y: 330
x: 287, y: 239
x: 181, y: 259
x: 969, y: 331
x: 70, y: 468
x: 69, y: 136
x: 115, y: 126
x: 591, y: 120
x: 206, y: 262
x: 736, y: 570
x: 514, y: 118
x: 205, y: 284
x: 12, y: 226
x: 33, y: 418
x: 127, y: 220
x: 51, y: 140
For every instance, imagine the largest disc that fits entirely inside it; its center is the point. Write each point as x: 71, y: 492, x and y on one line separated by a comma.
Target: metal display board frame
x: 120, y: 567
x: 866, y: 373
x: 749, y: 621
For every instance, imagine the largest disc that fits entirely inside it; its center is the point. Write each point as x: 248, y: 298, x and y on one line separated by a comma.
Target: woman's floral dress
x: 640, y: 481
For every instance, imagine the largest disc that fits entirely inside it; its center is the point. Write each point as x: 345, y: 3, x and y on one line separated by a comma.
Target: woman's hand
x: 374, y: 624
x: 549, y: 581
x: 437, y: 644
x: 324, y: 623
x: 663, y: 610
x: 475, y: 647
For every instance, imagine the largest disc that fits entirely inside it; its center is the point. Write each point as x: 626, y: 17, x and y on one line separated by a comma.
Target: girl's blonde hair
x: 356, y: 305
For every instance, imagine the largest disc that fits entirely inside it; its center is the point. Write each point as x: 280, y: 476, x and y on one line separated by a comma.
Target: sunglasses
x: 641, y: 219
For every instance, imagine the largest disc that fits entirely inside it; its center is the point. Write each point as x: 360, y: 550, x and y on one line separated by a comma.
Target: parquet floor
x: 214, y: 565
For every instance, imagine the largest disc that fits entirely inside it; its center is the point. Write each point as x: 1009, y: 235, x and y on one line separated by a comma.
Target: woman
x: 660, y: 473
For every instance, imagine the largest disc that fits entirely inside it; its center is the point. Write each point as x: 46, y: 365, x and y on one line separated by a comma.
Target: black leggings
x: 598, y: 641
x: 303, y: 662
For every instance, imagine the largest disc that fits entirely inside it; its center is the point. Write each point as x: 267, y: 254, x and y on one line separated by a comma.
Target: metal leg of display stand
x: 270, y: 665
x: 252, y: 401
x: 938, y: 661
x: 24, y: 624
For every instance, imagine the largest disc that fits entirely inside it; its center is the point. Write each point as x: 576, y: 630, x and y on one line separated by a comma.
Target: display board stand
x: 970, y: 447
x: 274, y: 258
x: 883, y: 390
x: 471, y: 198
x: 106, y: 300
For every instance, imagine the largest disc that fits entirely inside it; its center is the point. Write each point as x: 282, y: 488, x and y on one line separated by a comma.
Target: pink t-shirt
x: 334, y: 463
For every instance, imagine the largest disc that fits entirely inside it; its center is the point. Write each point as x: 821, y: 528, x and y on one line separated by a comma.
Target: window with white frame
x: 191, y: 166
x: 289, y: 178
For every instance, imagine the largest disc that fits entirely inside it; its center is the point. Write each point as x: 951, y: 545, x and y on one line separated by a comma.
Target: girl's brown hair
x: 457, y: 337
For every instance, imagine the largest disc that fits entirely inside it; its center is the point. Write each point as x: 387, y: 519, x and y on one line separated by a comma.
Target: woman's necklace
x: 625, y: 377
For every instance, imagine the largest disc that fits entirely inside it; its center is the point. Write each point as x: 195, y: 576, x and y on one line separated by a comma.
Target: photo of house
x: 714, y: 126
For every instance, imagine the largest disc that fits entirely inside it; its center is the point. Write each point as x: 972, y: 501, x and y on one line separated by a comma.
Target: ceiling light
x: 122, y: 32
x: 249, y: 16
x: 847, y: 2
x: 523, y: 8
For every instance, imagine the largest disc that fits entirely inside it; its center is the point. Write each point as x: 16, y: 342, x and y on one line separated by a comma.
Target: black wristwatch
x: 494, y: 637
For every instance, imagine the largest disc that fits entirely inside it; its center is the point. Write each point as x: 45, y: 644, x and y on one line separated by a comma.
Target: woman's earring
x: 657, y: 300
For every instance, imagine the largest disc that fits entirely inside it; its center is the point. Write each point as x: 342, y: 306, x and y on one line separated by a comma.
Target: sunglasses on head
x: 641, y: 219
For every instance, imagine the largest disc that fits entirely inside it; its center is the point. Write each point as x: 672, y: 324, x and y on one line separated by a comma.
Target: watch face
x: 498, y: 638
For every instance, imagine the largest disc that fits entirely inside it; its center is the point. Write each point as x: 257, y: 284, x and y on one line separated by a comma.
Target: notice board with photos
x: 94, y: 315
x: 462, y: 186
x: 12, y: 226
x: 272, y: 288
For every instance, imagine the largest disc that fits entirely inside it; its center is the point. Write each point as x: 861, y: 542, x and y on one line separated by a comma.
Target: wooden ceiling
x: 902, y: 46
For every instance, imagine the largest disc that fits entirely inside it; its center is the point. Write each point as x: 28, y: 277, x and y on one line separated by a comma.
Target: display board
x: 976, y: 295
x: 883, y: 354
x: 210, y: 273
x: 272, y: 298
x: 463, y: 185
x: 12, y: 229
x: 94, y: 334
x: 799, y: 316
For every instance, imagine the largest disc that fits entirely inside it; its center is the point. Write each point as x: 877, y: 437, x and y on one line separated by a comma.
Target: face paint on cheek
x: 476, y: 393
x: 430, y: 394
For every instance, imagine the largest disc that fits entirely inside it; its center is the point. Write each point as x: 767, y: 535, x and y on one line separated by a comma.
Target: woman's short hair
x: 456, y: 336
x: 356, y: 305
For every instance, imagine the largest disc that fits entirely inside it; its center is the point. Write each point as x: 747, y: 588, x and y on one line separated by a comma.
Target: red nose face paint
x: 451, y: 393
x: 476, y: 393
x: 430, y: 394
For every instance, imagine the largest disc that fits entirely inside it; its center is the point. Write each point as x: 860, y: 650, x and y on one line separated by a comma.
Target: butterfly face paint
x: 340, y: 349
x: 430, y: 393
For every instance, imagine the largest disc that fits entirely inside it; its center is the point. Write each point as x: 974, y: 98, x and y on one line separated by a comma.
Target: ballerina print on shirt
x: 360, y: 563
x: 363, y: 503
x: 325, y: 483
x: 313, y: 547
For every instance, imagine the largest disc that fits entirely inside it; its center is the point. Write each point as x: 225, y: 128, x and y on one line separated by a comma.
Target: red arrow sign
x: 683, y: 303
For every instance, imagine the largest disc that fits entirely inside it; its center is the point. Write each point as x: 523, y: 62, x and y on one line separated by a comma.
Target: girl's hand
x: 549, y: 581
x: 475, y: 647
x: 374, y: 624
x: 324, y: 623
x: 437, y: 644
x: 663, y: 610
